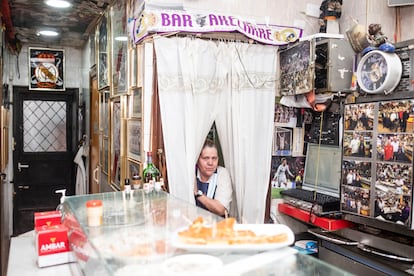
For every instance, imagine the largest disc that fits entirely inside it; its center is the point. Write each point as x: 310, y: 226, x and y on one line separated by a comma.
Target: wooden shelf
x: 322, y: 222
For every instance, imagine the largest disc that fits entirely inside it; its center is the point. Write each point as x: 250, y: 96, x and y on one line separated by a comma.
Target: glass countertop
x: 137, y: 233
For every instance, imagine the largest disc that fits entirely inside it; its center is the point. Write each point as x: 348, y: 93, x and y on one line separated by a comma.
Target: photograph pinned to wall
x: 395, y: 148
x: 46, y: 70
x: 285, y: 116
x: 355, y: 200
x: 359, y: 116
x: 298, y: 141
x: 356, y: 173
x: 393, y: 192
x: 134, y: 129
x: 357, y: 144
x: 394, y: 116
x: 136, y: 103
x: 286, y: 174
x: 282, y: 141
x: 307, y: 116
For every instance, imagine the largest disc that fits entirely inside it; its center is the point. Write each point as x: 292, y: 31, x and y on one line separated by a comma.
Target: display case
x: 137, y: 233
x: 323, y: 65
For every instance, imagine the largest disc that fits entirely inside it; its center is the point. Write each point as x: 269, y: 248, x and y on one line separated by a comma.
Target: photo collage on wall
x: 378, y: 159
x: 288, y: 160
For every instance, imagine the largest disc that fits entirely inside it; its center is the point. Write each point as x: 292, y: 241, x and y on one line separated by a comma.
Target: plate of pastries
x: 228, y: 235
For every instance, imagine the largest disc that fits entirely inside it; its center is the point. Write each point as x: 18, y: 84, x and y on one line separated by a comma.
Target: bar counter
x: 137, y: 237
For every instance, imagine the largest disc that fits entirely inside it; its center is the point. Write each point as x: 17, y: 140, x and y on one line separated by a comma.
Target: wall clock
x: 379, y: 72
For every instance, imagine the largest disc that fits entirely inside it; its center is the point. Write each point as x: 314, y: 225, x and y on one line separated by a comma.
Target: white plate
x: 192, y: 264
x: 258, y: 229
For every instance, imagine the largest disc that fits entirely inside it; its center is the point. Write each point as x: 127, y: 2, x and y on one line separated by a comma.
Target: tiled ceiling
x: 74, y: 24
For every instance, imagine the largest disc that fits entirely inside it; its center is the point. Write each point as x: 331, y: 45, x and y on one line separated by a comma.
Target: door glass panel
x: 44, y: 126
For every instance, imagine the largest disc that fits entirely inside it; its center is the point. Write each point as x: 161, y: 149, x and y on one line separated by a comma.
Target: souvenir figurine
x: 377, y: 40
x: 330, y: 11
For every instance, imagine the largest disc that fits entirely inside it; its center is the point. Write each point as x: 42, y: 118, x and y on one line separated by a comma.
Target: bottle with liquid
x: 150, y: 172
x: 127, y: 186
x: 136, y: 181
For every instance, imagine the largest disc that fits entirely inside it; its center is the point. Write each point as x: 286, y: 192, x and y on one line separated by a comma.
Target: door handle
x: 95, y: 175
x: 22, y: 166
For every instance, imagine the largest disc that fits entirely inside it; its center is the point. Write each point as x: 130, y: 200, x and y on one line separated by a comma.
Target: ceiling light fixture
x: 58, y: 3
x: 121, y: 38
x: 48, y: 33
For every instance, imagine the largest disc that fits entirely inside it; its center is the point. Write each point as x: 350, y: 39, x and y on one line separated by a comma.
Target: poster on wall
x: 286, y: 173
x: 46, y: 69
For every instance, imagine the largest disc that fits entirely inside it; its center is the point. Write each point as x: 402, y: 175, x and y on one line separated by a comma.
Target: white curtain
x: 232, y: 84
x: 189, y: 81
x: 245, y: 125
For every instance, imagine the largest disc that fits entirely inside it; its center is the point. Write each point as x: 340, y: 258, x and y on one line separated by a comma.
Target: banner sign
x: 167, y: 21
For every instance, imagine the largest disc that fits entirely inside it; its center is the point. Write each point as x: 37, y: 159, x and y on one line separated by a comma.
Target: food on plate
x: 224, y: 232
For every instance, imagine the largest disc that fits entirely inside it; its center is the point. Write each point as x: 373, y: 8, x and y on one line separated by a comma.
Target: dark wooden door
x: 94, y: 169
x: 44, y: 130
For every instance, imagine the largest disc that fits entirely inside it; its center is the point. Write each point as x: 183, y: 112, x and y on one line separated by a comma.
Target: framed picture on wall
x: 136, y: 103
x: 282, y: 141
x: 104, y: 155
x: 116, y: 142
x: 134, y: 130
x: 103, y: 52
x: 134, y: 168
x: 104, y: 113
x: 133, y: 67
x: 140, y: 65
x: 46, y: 69
x: 119, y: 42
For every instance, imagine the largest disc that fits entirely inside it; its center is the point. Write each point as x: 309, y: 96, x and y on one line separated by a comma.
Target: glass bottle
x: 150, y: 172
x: 127, y: 186
x: 136, y: 181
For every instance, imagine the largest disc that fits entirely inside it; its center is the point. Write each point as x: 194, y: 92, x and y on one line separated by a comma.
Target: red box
x: 52, y: 245
x: 48, y: 218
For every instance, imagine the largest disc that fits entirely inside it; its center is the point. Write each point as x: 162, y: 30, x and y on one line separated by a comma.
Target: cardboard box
x: 52, y: 245
x: 48, y: 218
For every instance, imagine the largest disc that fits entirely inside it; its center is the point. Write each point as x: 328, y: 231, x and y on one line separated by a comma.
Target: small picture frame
x: 136, y: 103
x: 133, y: 67
x: 105, y: 156
x: 46, y: 69
x: 140, y: 65
x: 119, y: 47
x: 282, y: 141
x: 134, y: 148
x: 134, y: 168
x: 102, y: 47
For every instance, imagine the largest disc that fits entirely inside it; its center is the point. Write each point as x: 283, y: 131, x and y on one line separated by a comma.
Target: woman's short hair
x: 209, y: 143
